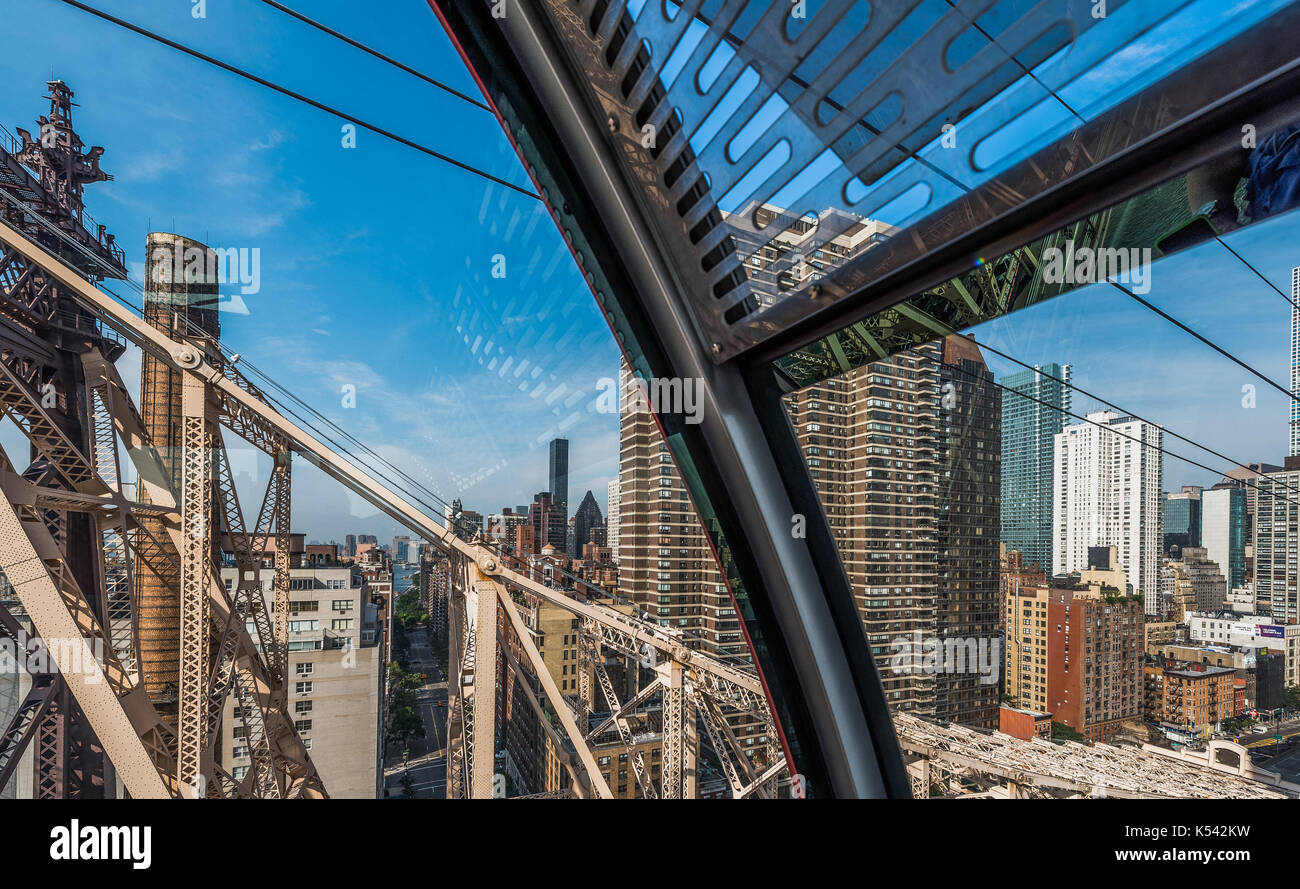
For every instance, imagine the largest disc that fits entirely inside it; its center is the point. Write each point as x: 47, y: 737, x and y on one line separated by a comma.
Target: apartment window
x: 342, y: 605
x: 336, y: 585
x: 303, y: 626
x: 303, y: 605
x: 306, y: 668
x: 302, y: 725
x: 341, y: 623
x: 238, y: 772
x: 239, y: 752
x: 302, y: 688
x: 302, y: 706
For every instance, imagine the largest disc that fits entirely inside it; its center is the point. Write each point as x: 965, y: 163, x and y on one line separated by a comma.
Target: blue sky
x: 376, y: 261
x: 1131, y: 357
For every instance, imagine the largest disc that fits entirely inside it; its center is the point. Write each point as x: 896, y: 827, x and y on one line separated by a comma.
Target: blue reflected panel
x: 870, y: 117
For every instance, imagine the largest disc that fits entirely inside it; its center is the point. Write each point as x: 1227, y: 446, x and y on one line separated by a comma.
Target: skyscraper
x: 1034, y: 408
x: 1295, y: 362
x: 549, y: 526
x: 586, y: 517
x: 559, y: 474
x: 1277, y: 515
x: 968, y: 458
x: 1247, y: 478
x: 1106, y: 492
x: 1223, y: 531
x: 612, y: 517
x: 905, y: 456
x: 1182, y: 518
x: 666, y: 562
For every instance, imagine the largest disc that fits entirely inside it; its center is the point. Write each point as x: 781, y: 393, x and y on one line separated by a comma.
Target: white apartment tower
x: 613, y: 512
x: 1106, y: 492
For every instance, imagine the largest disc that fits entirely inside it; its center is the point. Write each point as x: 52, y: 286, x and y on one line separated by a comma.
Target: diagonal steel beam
x: 120, y: 715
x: 26, y: 723
x: 186, y: 358
x: 597, y: 780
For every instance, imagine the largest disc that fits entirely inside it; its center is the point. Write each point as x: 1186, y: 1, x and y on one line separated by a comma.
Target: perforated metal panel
x: 785, y: 152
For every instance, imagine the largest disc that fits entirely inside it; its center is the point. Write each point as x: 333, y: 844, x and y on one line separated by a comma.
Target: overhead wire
x: 299, y: 97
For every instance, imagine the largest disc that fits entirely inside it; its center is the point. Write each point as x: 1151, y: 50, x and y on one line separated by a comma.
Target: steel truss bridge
x: 157, y: 757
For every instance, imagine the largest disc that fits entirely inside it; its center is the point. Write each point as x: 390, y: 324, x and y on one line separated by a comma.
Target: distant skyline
x: 377, y: 263
x: 1124, y: 353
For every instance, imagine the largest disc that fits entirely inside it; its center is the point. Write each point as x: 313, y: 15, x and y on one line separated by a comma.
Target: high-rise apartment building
x: 1107, y: 492
x: 1277, y: 542
x: 335, y: 679
x: 968, y: 463
x: 1192, y: 584
x: 559, y: 474
x: 666, y: 563
x: 868, y: 438
x: 612, y: 517
x: 549, y: 525
x: 905, y: 454
x: 1295, y: 363
x: 1025, y: 653
x: 1223, y: 531
x: 435, y: 590
x: 501, y: 526
x: 1035, y: 406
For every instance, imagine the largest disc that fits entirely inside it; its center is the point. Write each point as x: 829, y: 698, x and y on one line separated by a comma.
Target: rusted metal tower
x: 179, y: 305
x: 44, y: 337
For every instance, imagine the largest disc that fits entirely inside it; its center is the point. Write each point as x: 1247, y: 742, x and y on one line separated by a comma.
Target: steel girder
x: 185, y: 357
x: 216, y: 659
x: 590, y: 656
x: 229, y: 396
x: 574, y: 83
x: 117, y: 711
x: 824, y: 681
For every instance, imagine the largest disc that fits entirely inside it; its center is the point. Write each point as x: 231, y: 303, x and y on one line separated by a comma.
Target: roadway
x: 427, y: 759
x: 1288, y: 728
